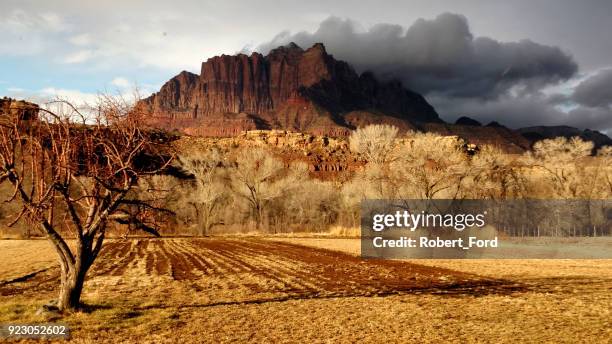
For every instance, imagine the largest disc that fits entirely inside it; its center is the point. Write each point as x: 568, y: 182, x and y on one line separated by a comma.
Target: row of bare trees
x: 426, y: 165
x: 254, y: 190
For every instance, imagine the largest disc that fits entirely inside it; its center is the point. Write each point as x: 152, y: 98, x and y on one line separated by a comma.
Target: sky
x: 521, y: 63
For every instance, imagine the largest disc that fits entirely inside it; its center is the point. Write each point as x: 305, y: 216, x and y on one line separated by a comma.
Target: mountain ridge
x: 541, y: 132
x: 302, y: 90
x: 289, y: 88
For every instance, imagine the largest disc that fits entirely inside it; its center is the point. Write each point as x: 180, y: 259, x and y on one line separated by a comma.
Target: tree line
x: 255, y: 190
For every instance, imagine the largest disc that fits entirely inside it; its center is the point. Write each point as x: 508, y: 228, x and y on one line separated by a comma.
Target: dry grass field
x: 308, y: 290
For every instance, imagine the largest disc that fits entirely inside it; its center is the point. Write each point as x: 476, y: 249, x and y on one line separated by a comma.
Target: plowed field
x: 218, y: 290
x: 259, y: 270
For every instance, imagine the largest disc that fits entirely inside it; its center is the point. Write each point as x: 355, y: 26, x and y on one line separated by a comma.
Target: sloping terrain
x: 549, y: 132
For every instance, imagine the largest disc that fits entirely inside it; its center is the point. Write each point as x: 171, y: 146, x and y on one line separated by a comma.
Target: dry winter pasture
x: 268, y: 290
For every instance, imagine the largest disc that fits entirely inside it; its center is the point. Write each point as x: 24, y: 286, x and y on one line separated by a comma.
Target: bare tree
x: 375, y: 181
x: 158, y: 198
x: 374, y: 142
x: 85, y: 171
x: 605, y: 164
x: 563, y: 160
x: 211, y: 189
x: 496, y: 175
x: 307, y: 203
x: 260, y: 178
x: 429, y: 166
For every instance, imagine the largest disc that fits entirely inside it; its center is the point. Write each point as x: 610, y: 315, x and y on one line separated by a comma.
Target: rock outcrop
x: 290, y: 88
x: 326, y: 157
x: 11, y: 107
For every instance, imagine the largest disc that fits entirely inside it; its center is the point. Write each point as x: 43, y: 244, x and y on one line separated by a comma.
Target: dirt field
x: 224, y: 290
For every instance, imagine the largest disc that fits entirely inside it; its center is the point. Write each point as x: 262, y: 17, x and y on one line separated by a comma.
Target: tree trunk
x: 203, y: 220
x: 258, y: 216
x: 71, y: 287
x: 201, y: 224
x: 74, y: 267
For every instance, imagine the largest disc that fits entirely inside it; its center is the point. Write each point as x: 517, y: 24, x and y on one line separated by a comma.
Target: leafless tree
x: 260, y: 178
x: 85, y: 170
x: 430, y: 166
x: 158, y: 201
x: 563, y: 160
x: 605, y: 164
x: 496, y: 175
x: 374, y: 142
x: 211, y: 187
x: 375, y: 181
x: 311, y: 203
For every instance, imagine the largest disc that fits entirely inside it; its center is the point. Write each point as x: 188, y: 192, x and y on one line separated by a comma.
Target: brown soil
x: 263, y: 268
x: 254, y: 290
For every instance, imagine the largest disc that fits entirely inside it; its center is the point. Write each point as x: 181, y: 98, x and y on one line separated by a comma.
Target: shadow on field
x: 493, y: 287
x: 220, y: 272
x: 480, y: 288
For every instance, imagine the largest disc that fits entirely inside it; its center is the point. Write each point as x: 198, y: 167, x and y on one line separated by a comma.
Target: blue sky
x: 75, y: 49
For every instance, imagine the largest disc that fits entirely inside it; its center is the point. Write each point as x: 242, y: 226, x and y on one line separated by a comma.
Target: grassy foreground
x: 224, y: 289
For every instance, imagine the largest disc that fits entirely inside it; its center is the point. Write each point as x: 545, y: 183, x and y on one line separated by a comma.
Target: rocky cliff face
x: 307, y: 91
x: 290, y: 88
x: 11, y: 107
x: 326, y: 157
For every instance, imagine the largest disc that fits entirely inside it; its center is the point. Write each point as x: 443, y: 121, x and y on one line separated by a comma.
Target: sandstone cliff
x: 11, y: 107
x: 309, y: 91
x: 290, y: 88
x: 326, y: 157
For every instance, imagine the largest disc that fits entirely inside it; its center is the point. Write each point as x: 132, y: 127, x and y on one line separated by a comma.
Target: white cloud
x: 121, y: 82
x: 25, y: 33
x: 54, y: 22
x: 83, y: 39
x: 153, y: 38
x: 20, y: 20
x: 157, y: 43
x: 79, y: 98
x: 15, y: 90
x: 74, y: 96
x: 78, y: 56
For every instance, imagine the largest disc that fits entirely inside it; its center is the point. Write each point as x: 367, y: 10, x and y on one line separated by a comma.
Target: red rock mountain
x: 298, y: 90
x: 290, y: 88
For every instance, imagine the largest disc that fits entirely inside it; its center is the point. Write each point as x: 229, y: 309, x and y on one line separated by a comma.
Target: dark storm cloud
x: 439, y: 56
x: 461, y: 74
x: 526, y: 110
x: 595, y: 91
x: 593, y: 118
x: 509, y: 110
